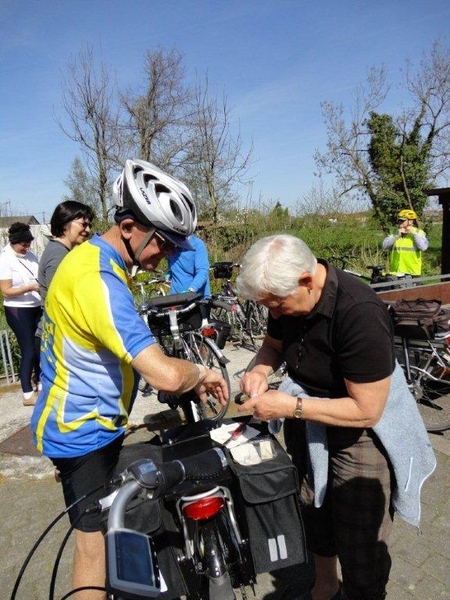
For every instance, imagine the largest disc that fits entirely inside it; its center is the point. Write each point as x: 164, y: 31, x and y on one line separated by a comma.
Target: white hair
x: 273, y: 265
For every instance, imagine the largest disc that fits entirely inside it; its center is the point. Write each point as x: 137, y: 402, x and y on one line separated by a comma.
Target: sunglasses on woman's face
x: 83, y: 224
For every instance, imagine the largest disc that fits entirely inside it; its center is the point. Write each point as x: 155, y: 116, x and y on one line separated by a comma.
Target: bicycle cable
x: 42, y: 536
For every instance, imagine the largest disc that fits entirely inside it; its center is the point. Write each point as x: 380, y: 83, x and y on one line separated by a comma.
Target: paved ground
x: 30, y: 500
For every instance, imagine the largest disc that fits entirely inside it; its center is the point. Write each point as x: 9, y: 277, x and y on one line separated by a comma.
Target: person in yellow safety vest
x: 406, y: 244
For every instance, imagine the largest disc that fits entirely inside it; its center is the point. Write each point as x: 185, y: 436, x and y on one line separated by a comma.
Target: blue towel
x: 403, y: 435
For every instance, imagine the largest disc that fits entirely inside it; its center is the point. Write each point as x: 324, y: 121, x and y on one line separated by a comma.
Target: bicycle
x: 175, y: 321
x: 424, y: 356
x: 185, y: 514
x: 159, y: 285
x: 377, y: 275
x: 248, y: 320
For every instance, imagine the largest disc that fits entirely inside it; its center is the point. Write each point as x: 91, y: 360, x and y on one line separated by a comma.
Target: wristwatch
x: 298, y: 412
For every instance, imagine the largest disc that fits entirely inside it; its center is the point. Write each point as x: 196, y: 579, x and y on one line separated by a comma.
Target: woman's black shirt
x: 349, y: 334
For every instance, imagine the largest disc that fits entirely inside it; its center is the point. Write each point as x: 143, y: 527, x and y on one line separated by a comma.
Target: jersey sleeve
x: 109, y: 314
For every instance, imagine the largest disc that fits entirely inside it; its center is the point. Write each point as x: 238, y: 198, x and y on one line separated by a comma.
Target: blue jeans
x: 24, y: 321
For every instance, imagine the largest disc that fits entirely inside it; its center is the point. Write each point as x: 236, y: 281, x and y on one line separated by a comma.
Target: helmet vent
x: 176, y: 211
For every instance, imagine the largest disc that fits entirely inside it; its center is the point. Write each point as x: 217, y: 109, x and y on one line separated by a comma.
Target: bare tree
x: 157, y: 118
x: 87, y: 99
x: 391, y: 159
x: 216, y: 160
x: 82, y: 186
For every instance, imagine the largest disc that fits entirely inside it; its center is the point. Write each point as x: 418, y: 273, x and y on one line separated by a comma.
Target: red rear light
x: 209, y: 332
x: 202, y: 509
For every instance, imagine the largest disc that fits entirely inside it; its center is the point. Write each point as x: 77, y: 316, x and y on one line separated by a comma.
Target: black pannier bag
x: 270, y: 494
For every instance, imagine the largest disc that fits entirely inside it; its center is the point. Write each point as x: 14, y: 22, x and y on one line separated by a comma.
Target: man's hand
x: 213, y: 384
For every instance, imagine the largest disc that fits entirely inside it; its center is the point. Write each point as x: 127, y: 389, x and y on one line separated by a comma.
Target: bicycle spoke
x: 433, y: 401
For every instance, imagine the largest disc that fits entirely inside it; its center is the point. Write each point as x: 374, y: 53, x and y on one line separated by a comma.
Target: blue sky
x: 276, y: 61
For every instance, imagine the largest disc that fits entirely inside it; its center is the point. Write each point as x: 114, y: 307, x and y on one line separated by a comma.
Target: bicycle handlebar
x: 161, y: 478
x: 161, y: 306
x: 220, y: 303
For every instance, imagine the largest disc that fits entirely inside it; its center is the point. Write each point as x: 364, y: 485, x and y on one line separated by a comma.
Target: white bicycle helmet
x: 155, y: 199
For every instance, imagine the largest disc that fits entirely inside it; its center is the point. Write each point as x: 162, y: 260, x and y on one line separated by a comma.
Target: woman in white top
x: 22, y: 302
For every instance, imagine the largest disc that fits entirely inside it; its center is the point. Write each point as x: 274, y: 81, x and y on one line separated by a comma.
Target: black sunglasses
x: 165, y: 244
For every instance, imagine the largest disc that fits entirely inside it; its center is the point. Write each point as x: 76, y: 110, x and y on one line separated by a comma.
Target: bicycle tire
x: 275, y: 378
x: 256, y: 321
x: 236, y: 318
x: 432, y: 395
x: 204, y: 351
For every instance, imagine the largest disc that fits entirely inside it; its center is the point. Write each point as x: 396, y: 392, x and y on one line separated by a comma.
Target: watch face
x: 298, y: 413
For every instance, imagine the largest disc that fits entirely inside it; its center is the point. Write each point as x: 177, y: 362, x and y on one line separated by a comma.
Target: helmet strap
x: 136, y: 255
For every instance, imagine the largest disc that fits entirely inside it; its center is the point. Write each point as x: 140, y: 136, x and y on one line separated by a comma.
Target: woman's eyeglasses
x: 84, y: 224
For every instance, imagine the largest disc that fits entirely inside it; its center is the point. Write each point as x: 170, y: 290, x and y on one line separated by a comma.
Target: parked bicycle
x: 377, y: 272
x: 248, y: 320
x: 424, y: 355
x: 214, y: 550
x: 158, y: 285
x: 176, y: 321
x: 188, y: 515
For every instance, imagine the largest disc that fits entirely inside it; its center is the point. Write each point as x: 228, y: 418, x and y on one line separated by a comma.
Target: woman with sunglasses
x: 70, y: 225
x: 22, y: 302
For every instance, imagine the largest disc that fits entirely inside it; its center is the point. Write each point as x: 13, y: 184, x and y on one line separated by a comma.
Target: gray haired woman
x: 341, y: 403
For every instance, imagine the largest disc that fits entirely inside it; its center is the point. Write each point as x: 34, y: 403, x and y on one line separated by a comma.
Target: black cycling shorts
x: 84, y: 474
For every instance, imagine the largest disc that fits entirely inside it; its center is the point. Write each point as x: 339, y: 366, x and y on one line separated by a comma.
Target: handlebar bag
x: 223, y: 270
x: 153, y: 518
x: 270, y: 494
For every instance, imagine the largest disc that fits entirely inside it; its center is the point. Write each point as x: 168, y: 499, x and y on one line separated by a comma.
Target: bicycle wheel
x: 235, y: 317
x: 256, y: 321
x: 432, y: 395
x: 275, y: 378
x: 204, y: 351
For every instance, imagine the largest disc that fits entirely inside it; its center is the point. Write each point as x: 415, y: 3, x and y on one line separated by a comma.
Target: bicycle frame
x: 245, y: 319
x: 426, y: 363
x: 186, y: 341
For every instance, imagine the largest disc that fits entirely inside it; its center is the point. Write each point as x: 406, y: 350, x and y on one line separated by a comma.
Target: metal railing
x: 6, y: 357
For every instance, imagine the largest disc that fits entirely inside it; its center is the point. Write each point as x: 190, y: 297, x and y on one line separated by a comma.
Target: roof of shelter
x: 28, y: 219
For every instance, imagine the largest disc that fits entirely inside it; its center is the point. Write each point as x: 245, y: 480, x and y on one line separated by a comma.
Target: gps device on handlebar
x: 132, y: 568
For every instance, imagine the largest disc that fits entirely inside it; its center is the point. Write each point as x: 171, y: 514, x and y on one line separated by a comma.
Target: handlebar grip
x: 207, y: 465
x: 172, y: 473
x: 200, y: 467
x: 222, y: 304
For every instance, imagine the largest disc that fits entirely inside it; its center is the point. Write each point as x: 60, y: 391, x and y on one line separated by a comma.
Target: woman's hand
x: 254, y: 383
x: 34, y: 286
x: 270, y: 405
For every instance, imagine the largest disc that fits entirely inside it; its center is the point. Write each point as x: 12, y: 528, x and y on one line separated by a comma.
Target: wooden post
x: 444, y: 200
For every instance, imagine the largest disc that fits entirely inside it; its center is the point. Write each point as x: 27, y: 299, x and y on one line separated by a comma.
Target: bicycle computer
x: 131, y: 565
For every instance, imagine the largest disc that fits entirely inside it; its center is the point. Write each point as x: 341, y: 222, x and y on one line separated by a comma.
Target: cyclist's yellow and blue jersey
x: 91, y: 334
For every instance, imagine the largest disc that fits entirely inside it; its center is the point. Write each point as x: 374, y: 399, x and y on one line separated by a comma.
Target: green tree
x: 400, y: 165
x: 392, y: 159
